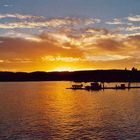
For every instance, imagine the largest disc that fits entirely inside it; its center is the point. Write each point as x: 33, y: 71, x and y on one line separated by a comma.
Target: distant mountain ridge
x: 81, y: 76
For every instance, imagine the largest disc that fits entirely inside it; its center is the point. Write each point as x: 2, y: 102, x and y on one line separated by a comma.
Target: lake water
x: 49, y: 111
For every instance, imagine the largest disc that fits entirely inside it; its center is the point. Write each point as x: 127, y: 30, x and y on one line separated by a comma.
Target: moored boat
x: 94, y: 86
x: 122, y: 86
x: 77, y: 86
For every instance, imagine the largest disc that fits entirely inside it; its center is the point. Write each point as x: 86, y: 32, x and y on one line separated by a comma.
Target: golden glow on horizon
x: 63, y: 68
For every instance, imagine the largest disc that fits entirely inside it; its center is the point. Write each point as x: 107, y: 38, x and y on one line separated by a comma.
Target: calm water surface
x: 48, y: 111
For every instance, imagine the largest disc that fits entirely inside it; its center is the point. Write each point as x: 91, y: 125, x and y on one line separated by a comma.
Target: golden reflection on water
x: 48, y: 109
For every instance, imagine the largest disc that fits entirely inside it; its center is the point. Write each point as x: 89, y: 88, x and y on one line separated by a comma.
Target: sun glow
x: 61, y: 69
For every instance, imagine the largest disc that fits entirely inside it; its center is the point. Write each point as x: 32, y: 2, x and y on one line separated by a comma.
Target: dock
x: 97, y: 86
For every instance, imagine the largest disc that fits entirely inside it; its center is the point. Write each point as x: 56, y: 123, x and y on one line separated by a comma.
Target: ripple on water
x: 38, y: 111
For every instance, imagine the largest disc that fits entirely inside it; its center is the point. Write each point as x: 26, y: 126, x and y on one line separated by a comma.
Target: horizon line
x: 68, y: 70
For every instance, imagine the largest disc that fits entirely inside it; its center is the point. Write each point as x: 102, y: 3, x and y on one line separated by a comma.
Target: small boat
x: 122, y: 86
x: 94, y: 86
x: 77, y: 86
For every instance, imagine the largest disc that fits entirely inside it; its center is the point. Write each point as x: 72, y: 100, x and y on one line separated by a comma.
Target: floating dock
x: 104, y: 88
x: 96, y: 86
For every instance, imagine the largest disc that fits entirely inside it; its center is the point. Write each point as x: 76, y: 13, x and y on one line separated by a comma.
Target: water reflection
x: 46, y: 110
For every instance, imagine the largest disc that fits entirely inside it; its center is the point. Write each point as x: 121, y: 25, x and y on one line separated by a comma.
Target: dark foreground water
x: 48, y: 111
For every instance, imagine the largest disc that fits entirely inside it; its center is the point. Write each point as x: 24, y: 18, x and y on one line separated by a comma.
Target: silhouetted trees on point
x: 125, y: 75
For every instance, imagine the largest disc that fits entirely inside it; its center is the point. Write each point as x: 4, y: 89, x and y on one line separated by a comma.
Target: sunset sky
x: 50, y: 35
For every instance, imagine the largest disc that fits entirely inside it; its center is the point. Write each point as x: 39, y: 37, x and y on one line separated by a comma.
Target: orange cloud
x: 78, y: 48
